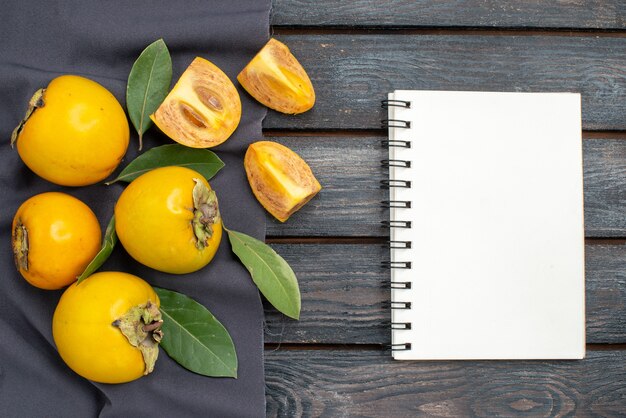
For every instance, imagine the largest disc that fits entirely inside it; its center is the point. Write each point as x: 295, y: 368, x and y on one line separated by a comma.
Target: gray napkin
x: 40, y: 40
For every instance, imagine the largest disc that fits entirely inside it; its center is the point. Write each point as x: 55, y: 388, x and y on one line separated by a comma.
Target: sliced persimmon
x: 202, y: 110
x: 280, y: 179
x: 275, y: 78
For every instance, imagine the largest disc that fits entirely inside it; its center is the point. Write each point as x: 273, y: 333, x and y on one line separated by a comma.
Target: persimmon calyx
x: 205, y: 214
x: 34, y: 103
x: 20, y: 246
x: 141, y: 326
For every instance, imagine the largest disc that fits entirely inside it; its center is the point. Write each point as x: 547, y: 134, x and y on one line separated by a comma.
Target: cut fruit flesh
x: 281, y: 181
x: 202, y: 110
x: 275, y: 78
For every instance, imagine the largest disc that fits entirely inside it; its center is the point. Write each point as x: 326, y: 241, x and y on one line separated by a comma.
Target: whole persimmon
x: 74, y: 133
x: 54, y: 237
x: 107, y: 328
x: 169, y: 219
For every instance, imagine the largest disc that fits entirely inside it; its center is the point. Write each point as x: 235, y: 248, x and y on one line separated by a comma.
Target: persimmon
x: 169, y: 219
x: 202, y: 110
x: 75, y: 132
x: 275, y: 78
x: 107, y: 328
x: 54, y: 237
x: 280, y: 179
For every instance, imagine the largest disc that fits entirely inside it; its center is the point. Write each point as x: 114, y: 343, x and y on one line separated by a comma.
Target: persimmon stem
x: 141, y: 326
x: 153, y: 326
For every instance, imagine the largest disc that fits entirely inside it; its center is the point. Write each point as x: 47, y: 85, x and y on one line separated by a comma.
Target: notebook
x: 486, y: 225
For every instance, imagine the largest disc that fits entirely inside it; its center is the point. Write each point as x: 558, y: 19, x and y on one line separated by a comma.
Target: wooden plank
x: 587, y: 14
x: 605, y: 187
x: 605, y: 270
x: 342, y: 295
x: 349, y: 204
x: 352, y: 73
x: 337, y: 383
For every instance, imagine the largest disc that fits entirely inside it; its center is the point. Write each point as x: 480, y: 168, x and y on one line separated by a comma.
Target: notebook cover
x: 497, y: 255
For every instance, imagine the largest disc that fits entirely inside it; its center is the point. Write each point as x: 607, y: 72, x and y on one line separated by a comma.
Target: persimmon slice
x: 275, y: 78
x: 280, y: 179
x: 202, y: 110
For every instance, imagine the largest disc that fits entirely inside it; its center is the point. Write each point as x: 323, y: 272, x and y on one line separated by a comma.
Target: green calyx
x: 34, y: 103
x: 205, y: 214
x: 20, y: 246
x: 141, y: 326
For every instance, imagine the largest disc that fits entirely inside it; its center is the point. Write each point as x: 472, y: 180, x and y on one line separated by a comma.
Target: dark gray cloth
x: 100, y: 40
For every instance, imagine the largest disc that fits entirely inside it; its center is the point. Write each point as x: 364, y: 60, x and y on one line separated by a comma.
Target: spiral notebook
x: 486, y: 225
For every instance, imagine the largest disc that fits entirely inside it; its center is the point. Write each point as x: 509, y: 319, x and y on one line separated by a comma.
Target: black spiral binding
x: 387, y: 184
x: 395, y: 123
x: 395, y: 163
x: 386, y: 143
x: 397, y: 103
x: 401, y: 204
x: 396, y: 224
x: 396, y: 264
x: 394, y: 245
x: 395, y: 285
x: 396, y: 305
x: 399, y: 347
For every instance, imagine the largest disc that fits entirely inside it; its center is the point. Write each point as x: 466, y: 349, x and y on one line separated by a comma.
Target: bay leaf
x: 110, y: 239
x: 203, y: 161
x: 194, y: 338
x: 148, y: 84
x: 270, y: 272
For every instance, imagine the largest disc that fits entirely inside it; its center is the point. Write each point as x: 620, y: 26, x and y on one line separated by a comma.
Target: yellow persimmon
x: 168, y: 219
x: 107, y: 328
x: 75, y: 132
x: 54, y: 237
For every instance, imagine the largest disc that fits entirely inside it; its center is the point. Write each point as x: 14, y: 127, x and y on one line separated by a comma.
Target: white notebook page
x: 496, y: 226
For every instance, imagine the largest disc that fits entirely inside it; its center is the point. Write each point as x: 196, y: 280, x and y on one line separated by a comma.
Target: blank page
x: 497, y: 254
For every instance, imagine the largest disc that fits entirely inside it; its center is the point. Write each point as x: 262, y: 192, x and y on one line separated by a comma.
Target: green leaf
x: 194, y: 338
x: 148, y: 83
x: 269, y: 271
x: 203, y: 161
x: 110, y: 239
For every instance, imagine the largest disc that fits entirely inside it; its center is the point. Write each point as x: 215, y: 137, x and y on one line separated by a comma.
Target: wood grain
x: 352, y: 73
x: 342, y: 295
x: 605, y: 187
x: 349, y: 204
x: 588, y: 14
x: 605, y: 269
x: 338, y: 383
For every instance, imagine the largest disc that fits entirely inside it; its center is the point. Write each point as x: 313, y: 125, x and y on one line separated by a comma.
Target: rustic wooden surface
x: 332, y: 362
x: 590, y: 14
x: 367, y: 383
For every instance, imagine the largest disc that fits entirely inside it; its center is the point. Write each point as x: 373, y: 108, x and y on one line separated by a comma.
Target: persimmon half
x: 202, y: 110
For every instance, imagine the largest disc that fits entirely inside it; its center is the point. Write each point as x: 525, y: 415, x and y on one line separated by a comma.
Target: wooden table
x: 332, y: 362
